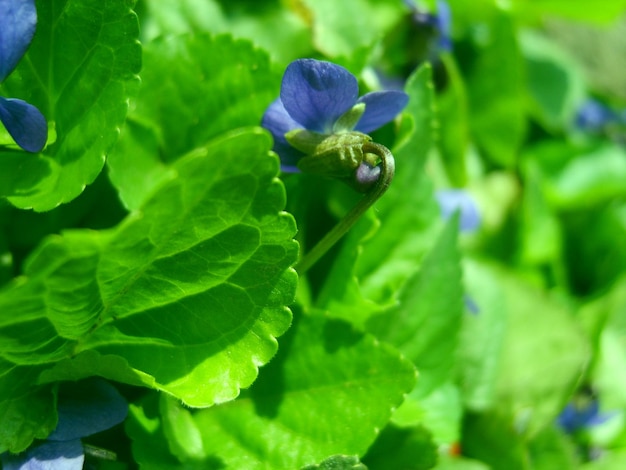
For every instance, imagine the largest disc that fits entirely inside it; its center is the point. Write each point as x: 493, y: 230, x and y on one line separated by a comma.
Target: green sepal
x: 348, y: 120
x: 305, y: 141
x: 336, y: 156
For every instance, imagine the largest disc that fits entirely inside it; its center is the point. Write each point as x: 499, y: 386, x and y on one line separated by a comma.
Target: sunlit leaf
x: 80, y: 71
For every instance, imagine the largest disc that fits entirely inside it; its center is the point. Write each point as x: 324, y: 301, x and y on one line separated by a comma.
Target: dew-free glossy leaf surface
x: 328, y: 392
x: 194, y: 88
x: 79, y: 71
x: 186, y: 295
x: 426, y: 322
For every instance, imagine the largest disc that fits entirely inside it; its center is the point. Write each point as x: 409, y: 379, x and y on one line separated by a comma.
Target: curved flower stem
x: 339, y: 230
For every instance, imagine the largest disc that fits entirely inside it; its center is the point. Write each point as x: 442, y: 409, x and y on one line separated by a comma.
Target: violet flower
x: 84, y: 408
x: 23, y: 121
x: 321, y: 99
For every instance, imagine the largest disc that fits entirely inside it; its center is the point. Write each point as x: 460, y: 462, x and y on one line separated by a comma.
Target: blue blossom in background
x: 593, y: 116
x: 441, y: 22
x: 451, y: 200
x: 322, y: 97
x: 84, y: 408
x: 23, y: 121
x: 581, y: 414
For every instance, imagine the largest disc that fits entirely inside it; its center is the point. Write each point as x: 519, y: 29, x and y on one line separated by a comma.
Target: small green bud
x: 305, y: 141
x: 336, y: 156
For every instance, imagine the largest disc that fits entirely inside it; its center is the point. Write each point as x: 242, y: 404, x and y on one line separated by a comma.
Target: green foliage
x: 182, y: 68
x: 308, y: 404
x: 195, y: 270
x: 80, y: 71
x: 152, y: 241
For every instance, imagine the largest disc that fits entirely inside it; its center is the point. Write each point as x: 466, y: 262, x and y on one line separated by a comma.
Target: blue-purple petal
x: 315, y: 93
x: 87, y: 407
x: 289, y: 157
x: 25, y: 123
x: 18, y: 20
x: 380, y: 108
x: 451, y: 200
x: 444, y: 25
x: 593, y: 116
x: 278, y: 122
x: 66, y: 455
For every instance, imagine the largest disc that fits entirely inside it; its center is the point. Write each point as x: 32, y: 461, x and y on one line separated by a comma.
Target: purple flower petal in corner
x: 25, y: 123
x: 316, y: 93
x: 380, y: 108
x: 18, y: 20
x: 65, y: 455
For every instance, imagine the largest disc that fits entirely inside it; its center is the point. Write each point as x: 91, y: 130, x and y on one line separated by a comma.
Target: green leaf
x: 581, y: 177
x: 494, y: 440
x: 80, y: 71
x: 26, y: 412
x: 540, y: 230
x: 150, y: 447
x: 379, y: 257
x: 602, y: 12
x: 543, y: 356
x: 425, y: 324
x: 309, y: 402
x: 496, y: 92
x: 341, y: 294
x: 614, y: 460
x: 460, y: 463
x: 407, y: 212
x: 440, y: 412
x: 610, y: 360
x: 596, y: 258
x: 554, y: 82
x: 341, y: 28
x: 453, y: 122
x: 482, y: 336
x: 182, y: 434
x: 552, y: 449
x: 278, y: 30
x: 185, y: 296
x: 405, y: 448
x: 212, y: 85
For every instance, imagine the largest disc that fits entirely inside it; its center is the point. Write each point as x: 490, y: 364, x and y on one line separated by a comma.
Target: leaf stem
x: 99, y: 453
x: 387, y: 171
